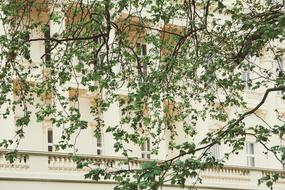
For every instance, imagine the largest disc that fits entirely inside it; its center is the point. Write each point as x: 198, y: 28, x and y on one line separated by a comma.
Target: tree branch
x: 68, y: 39
x: 230, y: 124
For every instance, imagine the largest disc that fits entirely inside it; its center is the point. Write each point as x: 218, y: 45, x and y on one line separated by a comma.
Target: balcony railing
x: 51, y: 166
x: 21, y: 162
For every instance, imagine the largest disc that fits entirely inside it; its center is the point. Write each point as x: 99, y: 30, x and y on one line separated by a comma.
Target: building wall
x: 36, y: 136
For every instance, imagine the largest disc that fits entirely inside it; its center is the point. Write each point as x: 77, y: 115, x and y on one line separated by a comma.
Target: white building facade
x: 40, y: 166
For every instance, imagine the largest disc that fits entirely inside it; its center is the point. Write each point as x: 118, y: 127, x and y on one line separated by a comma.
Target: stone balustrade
x: 67, y: 163
x: 51, y: 165
x: 227, y: 174
x: 21, y: 162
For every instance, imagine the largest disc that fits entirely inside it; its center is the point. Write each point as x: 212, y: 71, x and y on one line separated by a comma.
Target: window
x: 141, y: 49
x: 250, y: 154
x: 279, y: 66
x: 279, y: 71
x: 215, y: 151
x: 97, y: 139
x: 47, y: 43
x: 145, y: 149
x: 141, y: 52
x: 170, y: 112
x: 245, y: 75
x: 99, y: 144
x: 98, y: 57
x: 50, y: 139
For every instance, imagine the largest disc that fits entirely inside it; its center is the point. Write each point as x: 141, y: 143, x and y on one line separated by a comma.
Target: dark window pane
x: 99, y: 140
x: 148, y: 156
x: 143, y: 49
x: 250, y: 161
x: 47, y: 43
x: 251, y: 149
x: 148, y: 144
x: 143, y: 147
x: 50, y: 148
x: 50, y: 136
x: 139, y: 49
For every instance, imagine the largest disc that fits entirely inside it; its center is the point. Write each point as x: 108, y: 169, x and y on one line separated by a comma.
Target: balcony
x: 59, y: 167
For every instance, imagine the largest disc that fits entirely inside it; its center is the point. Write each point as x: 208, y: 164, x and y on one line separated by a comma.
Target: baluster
x: 26, y: 164
x: 2, y: 160
x: 104, y: 163
x: 49, y: 161
x: 57, y: 162
x: 63, y: 163
x: 135, y: 165
x: 69, y: 163
x: 53, y: 162
x: 74, y: 165
x: 18, y: 161
x: 53, y: 159
x: 220, y: 171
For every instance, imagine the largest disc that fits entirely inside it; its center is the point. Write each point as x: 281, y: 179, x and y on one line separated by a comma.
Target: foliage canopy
x: 180, y: 63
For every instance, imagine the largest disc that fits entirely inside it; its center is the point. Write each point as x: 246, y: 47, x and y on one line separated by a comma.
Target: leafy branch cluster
x: 190, y: 71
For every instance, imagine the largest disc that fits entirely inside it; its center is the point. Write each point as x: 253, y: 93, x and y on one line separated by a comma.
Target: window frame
x: 47, y: 43
x: 245, y: 75
x: 146, y: 149
x: 50, y: 143
x: 100, y: 149
x: 215, y: 151
x: 250, y: 154
x: 141, y: 51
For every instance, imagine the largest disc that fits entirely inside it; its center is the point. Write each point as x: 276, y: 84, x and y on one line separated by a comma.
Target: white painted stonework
x: 39, y: 169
